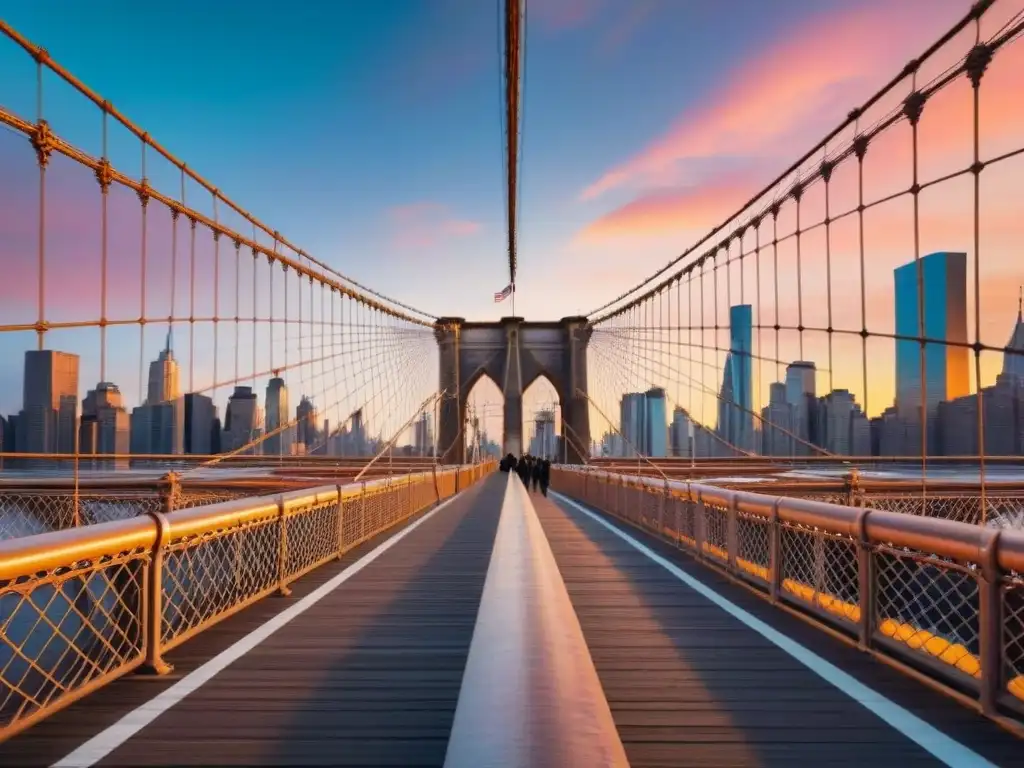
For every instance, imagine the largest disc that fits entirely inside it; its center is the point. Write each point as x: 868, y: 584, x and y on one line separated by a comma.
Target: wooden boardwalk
x: 370, y: 675
x: 689, y: 685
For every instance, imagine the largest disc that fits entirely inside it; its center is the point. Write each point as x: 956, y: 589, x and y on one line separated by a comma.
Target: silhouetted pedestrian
x: 545, y: 476
x: 535, y: 472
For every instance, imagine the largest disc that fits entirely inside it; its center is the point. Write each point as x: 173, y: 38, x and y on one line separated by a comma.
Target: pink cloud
x: 634, y: 15
x: 426, y: 224
x: 666, y: 212
x: 558, y: 15
x: 784, y: 97
x: 73, y: 251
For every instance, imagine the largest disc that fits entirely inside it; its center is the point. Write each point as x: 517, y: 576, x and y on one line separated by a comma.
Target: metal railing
x: 940, y: 599
x: 945, y: 499
x: 79, y: 608
x: 34, y: 505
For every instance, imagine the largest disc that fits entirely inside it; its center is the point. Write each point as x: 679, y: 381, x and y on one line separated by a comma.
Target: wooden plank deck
x: 370, y: 675
x: 689, y: 685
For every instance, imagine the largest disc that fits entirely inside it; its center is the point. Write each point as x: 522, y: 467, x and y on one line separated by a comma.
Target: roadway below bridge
x: 368, y: 661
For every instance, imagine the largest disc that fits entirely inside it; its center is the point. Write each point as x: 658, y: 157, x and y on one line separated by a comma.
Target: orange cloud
x: 782, y: 99
x: 689, y: 210
x: 426, y: 224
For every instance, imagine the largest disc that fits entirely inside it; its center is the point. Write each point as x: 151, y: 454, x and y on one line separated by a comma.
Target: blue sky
x: 322, y: 118
x: 369, y: 132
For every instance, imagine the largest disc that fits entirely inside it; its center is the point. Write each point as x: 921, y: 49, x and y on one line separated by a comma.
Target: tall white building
x: 158, y: 425
x: 163, y: 376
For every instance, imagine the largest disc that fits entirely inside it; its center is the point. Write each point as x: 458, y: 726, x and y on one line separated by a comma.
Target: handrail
x: 940, y: 599
x: 530, y: 687
x: 125, y: 592
x: 937, y: 536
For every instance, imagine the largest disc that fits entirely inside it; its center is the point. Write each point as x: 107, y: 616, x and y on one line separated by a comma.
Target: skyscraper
x: 735, y: 422
x: 200, y: 420
x: 680, y: 431
x: 279, y: 444
x: 158, y: 425
x: 942, y: 279
x: 423, y: 437
x: 242, y: 419
x: 777, y: 420
x: 105, y: 424
x: 163, y: 376
x: 544, y: 443
x: 801, y: 389
x: 47, y: 422
x: 655, y: 431
x: 631, y: 420
x: 306, y: 419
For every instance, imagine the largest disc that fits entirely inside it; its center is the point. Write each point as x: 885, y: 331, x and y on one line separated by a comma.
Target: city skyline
x: 797, y: 420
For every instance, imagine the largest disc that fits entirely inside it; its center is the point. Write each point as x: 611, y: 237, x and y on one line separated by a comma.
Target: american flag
x: 503, y: 294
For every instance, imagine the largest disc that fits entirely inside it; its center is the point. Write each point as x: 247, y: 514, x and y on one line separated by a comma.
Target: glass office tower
x: 945, y: 374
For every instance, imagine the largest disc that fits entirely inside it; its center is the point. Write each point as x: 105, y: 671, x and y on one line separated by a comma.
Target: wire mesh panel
x: 310, y: 535
x: 930, y: 606
x: 211, y: 573
x: 70, y: 627
x: 1012, y: 644
x: 753, y: 539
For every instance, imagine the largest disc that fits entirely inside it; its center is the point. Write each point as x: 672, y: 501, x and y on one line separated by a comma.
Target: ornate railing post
x: 341, y: 522
x: 854, y: 490
x: 732, y: 533
x: 153, y: 589
x: 990, y: 621
x: 865, y: 582
x: 661, y: 510
x: 282, y: 549
x: 362, y: 515
x: 699, y: 522
x: 775, y: 552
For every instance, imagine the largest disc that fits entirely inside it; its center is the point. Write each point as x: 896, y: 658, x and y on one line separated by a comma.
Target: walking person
x: 545, y: 476
x: 538, y: 466
x: 524, y: 469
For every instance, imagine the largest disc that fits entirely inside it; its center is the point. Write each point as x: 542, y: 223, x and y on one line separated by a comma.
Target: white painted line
x: 106, y: 741
x: 932, y: 740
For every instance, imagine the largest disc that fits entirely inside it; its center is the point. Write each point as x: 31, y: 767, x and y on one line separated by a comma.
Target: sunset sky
x: 369, y: 133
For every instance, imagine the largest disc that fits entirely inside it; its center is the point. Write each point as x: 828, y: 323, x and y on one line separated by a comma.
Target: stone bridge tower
x: 513, y: 353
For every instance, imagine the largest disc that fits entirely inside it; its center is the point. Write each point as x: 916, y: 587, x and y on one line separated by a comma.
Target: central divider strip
x: 530, y: 694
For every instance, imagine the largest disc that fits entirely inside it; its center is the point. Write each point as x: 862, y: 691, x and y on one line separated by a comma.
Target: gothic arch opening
x: 482, y: 416
x: 542, y: 418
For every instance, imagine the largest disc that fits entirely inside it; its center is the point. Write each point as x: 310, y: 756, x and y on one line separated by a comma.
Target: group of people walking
x: 533, y: 471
